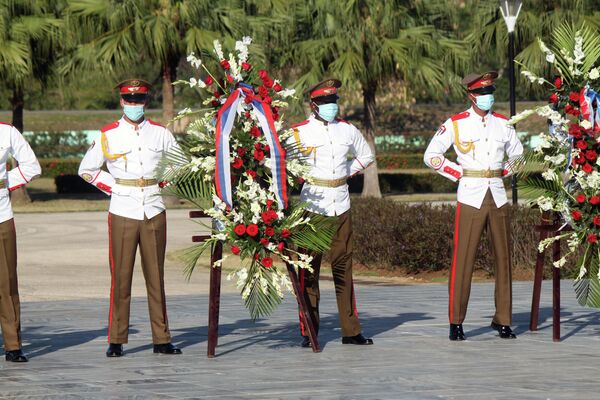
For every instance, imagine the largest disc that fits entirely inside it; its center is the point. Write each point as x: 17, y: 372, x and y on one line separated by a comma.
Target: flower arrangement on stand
x: 238, y: 167
x: 568, y: 154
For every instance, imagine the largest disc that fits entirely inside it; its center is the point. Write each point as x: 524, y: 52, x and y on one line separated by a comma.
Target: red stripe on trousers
x: 112, y: 275
x: 453, y: 271
x: 301, y: 272
x: 354, y: 301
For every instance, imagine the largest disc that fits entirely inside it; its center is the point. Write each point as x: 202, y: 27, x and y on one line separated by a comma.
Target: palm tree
x: 30, y: 37
x: 370, y: 43
x: 114, y: 35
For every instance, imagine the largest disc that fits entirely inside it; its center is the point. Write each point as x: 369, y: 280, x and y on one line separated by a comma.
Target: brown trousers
x: 470, y: 224
x: 125, y: 234
x: 10, y: 308
x: 341, y: 266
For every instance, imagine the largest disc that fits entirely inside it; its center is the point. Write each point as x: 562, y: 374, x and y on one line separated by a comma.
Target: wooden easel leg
x: 312, y: 334
x: 556, y: 293
x: 214, y: 300
x: 537, y: 287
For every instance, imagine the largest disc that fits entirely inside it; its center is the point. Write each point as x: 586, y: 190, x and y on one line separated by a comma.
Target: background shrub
x: 417, y: 238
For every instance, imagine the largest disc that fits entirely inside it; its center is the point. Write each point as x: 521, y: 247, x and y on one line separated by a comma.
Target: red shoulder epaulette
x: 155, y: 123
x: 460, y: 116
x: 4, y: 123
x: 300, y: 123
x: 495, y: 114
x: 110, y: 126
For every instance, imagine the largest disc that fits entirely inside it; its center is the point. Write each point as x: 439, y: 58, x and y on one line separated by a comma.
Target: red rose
x: 267, y: 262
x: 255, y: 131
x: 267, y: 148
x: 247, y: 114
x: 280, y: 246
x: 581, y: 144
x: 591, y: 155
x: 229, y: 78
x: 262, y: 74
x: 592, y: 238
x: 267, y: 99
x: 269, y: 203
x: 580, y: 198
x: 241, y: 151
x: 268, y: 82
x: 225, y: 64
x: 595, y: 200
x: 264, y: 242
x: 248, y: 100
x: 558, y: 82
x: 587, y: 168
x: 267, y: 218
x: 246, y: 66
x: 251, y: 173
x: 259, y: 155
x: 235, y: 250
x: 276, y: 117
x: 257, y: 146
x: 574, y: 96
x: 209, y: 80
x: 239, y: 229
x: 597, y: 221
x: 553, y: 99
x: 575, y: 130
x: 263, y: 91
x: 269, y: 231
x: 576, y: 215
x: 579, y: 160
x: 277, y: 87
x: 217, y: 94
x: 237, y: 163
x: 285, y: 233
x: 252, y: 230
x: 215, y: 103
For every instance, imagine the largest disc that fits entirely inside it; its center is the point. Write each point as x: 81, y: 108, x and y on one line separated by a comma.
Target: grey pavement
x: 411, y: 359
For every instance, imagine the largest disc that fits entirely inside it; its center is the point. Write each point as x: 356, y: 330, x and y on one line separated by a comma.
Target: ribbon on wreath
x: 225, y: 119
x: 586, y: 104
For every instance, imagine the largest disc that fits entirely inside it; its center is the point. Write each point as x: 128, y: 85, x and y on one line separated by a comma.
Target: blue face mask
x: 134, y: 113
x: 485, y: 101
x: 328, y: 111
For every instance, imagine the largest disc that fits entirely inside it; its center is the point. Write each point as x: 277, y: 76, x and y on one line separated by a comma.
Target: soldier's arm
x: 434, y: 155
x: 363, y: 156
x: 514, y: 150
x: 90, y: 168
x: 28, y: 168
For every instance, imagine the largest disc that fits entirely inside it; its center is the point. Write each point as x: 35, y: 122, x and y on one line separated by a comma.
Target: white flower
x: 556, y: 160
x: 582, y: 272
x: 549, y: 175
x: 533, y: 78
x: 196, y: 63
x: 545, y: 203
x: 578, y: 50
x: 594, y: 74
x: 242, y: 48
x: 186, y: 110
x: 286, y: 92
x: 560, y: 263
x: 218, y: 50
x: 550, y: 57
x: 585, y: 124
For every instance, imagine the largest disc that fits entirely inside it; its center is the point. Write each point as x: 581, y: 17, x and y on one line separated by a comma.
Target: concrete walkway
x: 65, y: 336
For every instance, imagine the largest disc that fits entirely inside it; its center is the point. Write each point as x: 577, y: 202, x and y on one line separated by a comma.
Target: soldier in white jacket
x: 12, y: 143
x: 132, y: 148
x: 326, y: 142
x: 481, y: 139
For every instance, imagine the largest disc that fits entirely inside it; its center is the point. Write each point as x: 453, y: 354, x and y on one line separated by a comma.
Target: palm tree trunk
x: 371, y: 174
x: 169, y: 73
x: 19, y: 195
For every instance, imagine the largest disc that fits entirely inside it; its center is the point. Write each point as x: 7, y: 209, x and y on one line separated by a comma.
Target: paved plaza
x: 64, y: 284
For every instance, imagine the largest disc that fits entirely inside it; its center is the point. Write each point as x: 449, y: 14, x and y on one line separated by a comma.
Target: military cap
x: 134, y: 89
x: 477, y: 81
x: 325, y: 88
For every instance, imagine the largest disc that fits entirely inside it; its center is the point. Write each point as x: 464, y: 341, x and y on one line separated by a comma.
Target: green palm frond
x: 528, y: 163
x: 535, y: 187
x: 317, y: 234
x: 259, y: 303
x: 587, y: 289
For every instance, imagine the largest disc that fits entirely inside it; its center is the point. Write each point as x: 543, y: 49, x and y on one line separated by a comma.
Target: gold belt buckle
x: 141, y: 182
x: 488, y: 173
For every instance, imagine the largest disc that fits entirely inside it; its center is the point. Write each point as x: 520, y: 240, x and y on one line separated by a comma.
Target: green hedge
x: 415, y: 238
x: 53, y: 167
x: 428, y: 182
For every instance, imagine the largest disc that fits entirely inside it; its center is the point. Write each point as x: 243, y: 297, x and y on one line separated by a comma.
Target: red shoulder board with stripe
x: 108, y: 127
x: 462, y: 115
x: 300, y: 123
x: 155, y: 123
x: 498, y: 115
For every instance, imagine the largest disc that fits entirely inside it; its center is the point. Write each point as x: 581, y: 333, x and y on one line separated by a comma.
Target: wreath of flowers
x: 568, y: 155
x: 254, y: 224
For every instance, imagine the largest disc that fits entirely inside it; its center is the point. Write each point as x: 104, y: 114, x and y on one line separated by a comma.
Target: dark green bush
x: 415, y: 238
x: 53, y: 167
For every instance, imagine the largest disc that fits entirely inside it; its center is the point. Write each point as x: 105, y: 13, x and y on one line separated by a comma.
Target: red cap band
x: 133, y: 89
x: 323, y: 91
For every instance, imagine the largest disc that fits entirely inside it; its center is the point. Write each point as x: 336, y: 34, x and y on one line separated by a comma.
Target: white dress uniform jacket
x: 486, y: 141
x: 327, y: 148
x: 130, y: 152
x: 14, y: 144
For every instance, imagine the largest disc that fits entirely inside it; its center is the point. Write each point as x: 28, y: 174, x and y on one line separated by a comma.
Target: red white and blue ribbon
x: 586, y: 104
x: 225, y: 119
